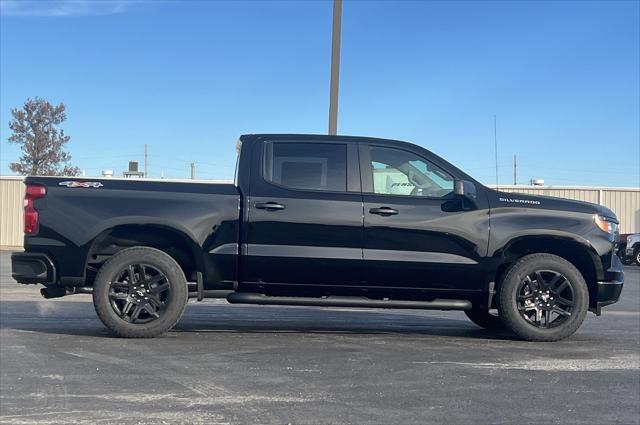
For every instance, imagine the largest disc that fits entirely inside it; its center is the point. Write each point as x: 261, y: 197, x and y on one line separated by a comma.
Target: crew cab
x: 320, y: 220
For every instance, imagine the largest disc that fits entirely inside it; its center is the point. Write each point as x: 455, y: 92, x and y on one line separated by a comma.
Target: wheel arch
x: 170, y: 240
x: 579, y: 253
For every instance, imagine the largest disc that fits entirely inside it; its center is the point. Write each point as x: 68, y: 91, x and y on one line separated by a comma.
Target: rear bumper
x: 27, y: 267
x: 609, y: 290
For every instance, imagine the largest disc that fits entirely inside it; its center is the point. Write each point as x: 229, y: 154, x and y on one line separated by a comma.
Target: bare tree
x: 35, y: 128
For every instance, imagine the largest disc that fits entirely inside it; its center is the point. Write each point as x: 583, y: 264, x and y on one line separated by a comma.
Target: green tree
x: 35, y: 128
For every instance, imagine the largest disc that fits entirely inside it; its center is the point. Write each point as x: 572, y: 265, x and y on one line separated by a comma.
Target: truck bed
x: 77, y: 218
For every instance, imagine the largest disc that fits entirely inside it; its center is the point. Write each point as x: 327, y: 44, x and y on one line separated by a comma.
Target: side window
x: 398, y: 172
x: 312, y: 166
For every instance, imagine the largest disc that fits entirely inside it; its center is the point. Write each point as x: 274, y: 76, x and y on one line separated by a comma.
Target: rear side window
x: 311, y: 166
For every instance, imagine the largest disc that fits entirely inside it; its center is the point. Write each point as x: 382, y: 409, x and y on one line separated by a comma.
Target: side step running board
x: 437, y: 304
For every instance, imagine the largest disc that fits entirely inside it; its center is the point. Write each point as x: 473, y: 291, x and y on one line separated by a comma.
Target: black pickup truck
x: 322, y: 221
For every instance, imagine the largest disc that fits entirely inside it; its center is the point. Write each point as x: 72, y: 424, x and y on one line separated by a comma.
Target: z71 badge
x: 81, y: 184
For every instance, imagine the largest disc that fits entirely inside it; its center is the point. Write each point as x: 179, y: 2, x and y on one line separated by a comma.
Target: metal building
x: 11, y: 204
x: 625, y: 201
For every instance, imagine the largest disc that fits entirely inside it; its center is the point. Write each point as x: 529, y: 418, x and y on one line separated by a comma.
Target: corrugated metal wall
x: 625, y: 202
x: 11, y: 225
x: 627, y: 207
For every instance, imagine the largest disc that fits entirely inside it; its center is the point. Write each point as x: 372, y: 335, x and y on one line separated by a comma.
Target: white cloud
x: 57, y: 8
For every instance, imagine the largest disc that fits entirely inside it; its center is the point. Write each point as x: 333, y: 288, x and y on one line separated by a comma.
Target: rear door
x: 417, y: 233
x: 305, y: 223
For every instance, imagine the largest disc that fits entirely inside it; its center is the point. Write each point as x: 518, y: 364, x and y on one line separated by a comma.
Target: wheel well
x: 572, y: 251
x: 118, y: 238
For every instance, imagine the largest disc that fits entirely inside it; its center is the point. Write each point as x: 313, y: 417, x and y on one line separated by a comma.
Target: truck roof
x: 354, y: 139
x: 314, y: 137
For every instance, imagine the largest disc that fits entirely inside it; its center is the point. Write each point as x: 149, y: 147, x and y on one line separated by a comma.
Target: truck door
x: 304, y: 214
x: 416, y: 232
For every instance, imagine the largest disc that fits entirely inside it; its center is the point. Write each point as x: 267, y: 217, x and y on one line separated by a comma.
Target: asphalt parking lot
x: 257, y: 364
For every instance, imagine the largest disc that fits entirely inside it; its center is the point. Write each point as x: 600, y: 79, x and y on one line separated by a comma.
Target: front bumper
x: 609, y: 289
x: 28, y: 267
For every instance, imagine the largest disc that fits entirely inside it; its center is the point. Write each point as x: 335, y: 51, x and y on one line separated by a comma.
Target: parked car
x: 630, y: 249
x: 621, y: 250
x: 322, y: 221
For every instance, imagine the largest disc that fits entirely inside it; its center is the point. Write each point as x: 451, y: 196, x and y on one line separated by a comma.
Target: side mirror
x: 466, y: 190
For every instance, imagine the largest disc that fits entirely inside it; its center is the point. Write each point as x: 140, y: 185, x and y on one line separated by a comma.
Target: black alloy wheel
x: 545, y: 298
x: 139, y: 293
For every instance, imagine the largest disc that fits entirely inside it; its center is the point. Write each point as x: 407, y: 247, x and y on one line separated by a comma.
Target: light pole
x: 335, y: 67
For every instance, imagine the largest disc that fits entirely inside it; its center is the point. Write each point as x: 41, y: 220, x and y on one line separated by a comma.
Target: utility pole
x: 515, y: 172
x: 145, y: 161
x: 495, y: 143
x: 335, y: 67
x: 193, y: 170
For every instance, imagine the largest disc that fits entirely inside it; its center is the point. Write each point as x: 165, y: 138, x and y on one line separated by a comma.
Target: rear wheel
x: 140, y: 292
x: 485, y: 319
x: 543, y: 297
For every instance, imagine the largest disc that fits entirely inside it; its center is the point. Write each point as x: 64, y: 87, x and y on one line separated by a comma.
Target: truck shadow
x: 78, y: 318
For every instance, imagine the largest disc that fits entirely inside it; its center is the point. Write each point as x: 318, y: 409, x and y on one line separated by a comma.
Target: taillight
x: 33, y: 192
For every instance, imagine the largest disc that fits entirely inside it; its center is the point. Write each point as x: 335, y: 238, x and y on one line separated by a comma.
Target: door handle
x: 383, y: 211
x: 269, y: 206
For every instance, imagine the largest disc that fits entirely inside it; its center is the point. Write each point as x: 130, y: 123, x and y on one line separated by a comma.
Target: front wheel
x: 140, y: 292
x: 543, y: 297
x: 636, y: 256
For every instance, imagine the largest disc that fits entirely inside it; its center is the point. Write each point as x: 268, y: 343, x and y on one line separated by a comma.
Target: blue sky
x: 188, y: 77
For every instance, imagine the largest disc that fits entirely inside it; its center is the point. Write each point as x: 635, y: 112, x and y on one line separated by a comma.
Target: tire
x: 140, y: 292
x: 636, y: 256
x: 485, y: 319
x: 527, y: 295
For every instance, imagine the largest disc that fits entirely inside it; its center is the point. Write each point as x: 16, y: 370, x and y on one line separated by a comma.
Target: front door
x: 304, y: 214
x: 416, y: 232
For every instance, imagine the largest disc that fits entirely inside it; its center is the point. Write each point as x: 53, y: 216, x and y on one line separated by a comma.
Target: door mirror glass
x: 465, y: 189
